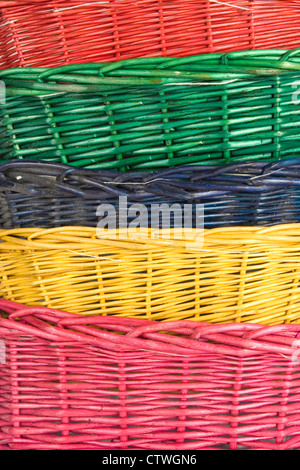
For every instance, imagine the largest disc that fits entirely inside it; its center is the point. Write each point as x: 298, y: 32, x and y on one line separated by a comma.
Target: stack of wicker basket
x: 119, y: 107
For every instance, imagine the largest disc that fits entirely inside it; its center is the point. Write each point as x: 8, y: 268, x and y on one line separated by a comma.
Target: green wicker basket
x: 153, y: 113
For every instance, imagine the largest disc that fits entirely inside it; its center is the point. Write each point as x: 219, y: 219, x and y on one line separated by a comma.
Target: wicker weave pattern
x: 38, y: 194
x: 126, y: 385
x: 52, y: 33
x: 240, y: 274
x: 155, y: 113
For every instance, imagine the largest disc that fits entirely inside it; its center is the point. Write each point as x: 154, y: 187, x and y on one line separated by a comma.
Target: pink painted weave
x: 72, y: 382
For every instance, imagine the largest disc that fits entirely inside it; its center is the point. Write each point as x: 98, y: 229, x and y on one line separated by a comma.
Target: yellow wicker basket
x: 239, y: 274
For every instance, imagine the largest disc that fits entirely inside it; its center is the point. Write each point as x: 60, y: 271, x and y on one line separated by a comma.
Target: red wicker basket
x: 70, y: 382
x: 52, y: 33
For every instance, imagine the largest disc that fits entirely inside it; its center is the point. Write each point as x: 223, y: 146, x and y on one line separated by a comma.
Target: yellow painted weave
x: 241, y: 274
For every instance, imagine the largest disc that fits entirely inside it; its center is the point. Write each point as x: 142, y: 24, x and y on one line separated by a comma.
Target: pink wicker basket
x: 70, y: 382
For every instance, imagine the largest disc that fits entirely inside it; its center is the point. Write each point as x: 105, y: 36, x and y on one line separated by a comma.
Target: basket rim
x: 233, y: 339
x: 204, y: 69
x: 36, y: 178
x: 236, y: 239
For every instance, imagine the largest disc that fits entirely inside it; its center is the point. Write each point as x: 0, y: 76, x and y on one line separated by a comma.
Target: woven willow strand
x: 154, y: 113
x: 240, y: 274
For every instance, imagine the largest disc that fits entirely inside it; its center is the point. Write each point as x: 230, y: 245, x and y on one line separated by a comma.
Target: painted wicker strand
x: 39, y: 194
x: 238, y: 274
x: 114, y: 383
x: 145, y: 114
x: 52, y: 33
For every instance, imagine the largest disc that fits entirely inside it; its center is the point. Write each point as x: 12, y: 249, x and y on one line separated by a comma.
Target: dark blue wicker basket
x: 38, y: 194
